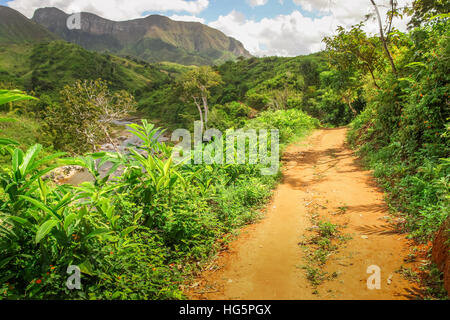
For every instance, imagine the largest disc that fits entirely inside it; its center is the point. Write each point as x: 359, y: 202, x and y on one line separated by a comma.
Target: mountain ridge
x: 154, y: 38
x: 16, y: 28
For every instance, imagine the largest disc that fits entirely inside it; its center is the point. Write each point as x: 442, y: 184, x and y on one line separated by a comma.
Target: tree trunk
x: 205, y: 106
x: 105, y: 130
x: 383, y: 40
x: 200, y: 112
x: 351, y: 108
x: 373, y: 77
x: 391, y: 18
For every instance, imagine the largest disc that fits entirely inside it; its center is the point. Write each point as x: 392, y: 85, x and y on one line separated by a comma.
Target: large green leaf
x: 41, y: 206
x: 128, y: 231
x: 167, y: 166
x: 64, y: 201
x: 29, y: 158
x: 47, y: 159
x: 68, y: 220
x: 18, y: 219
x: 5, y: 261
x: 45, y: 229
x: 8, y: 142
x: 98, y: 233
x: 35, y: 177
x: 17, y: 159
x: 86, y: 267
x: 7, y: 96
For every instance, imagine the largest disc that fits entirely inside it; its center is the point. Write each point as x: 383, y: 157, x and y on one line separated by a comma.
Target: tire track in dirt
x: 321, y: 175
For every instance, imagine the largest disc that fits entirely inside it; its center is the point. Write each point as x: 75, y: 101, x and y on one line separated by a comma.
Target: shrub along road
x: 327, y: 223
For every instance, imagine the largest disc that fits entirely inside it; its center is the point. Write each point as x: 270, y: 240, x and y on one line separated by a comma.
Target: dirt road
x: 322, y: 180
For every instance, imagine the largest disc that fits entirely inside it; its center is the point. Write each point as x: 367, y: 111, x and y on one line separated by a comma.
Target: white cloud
x: 294, y: 34
x: 187, y: 18
x: 315, y: 5
x: 257, y: 3
x: 111, y: 9
x: 287, y: 35
x: 345, y: 9
x: 284, y: 35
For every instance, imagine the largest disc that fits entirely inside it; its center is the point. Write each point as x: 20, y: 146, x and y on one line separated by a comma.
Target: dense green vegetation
x: 135, y: 236
x: 403, y: 132
x: 256, y: 84
x: 46, y: 68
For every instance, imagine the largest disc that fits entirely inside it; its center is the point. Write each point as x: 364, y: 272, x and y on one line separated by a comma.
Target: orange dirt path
x: 265, y: 262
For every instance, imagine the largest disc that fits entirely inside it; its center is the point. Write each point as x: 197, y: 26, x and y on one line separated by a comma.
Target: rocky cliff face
x: 154, y: 38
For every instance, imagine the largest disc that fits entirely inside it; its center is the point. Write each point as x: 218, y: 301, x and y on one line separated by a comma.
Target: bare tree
x: 86, y: 113
x: 195, y: 86
x: 382, y: 37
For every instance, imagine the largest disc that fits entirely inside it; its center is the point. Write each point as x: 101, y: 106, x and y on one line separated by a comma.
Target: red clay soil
x: 321, y: 176
x: 441, y: 253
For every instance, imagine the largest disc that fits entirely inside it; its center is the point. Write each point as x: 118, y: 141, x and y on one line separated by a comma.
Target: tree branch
x: 383, y: 40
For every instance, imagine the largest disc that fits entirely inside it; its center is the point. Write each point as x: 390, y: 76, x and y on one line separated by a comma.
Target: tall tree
x: 425, y: 9
x: 195, y: 86
x: 344, y: 84
x: 354, y: 51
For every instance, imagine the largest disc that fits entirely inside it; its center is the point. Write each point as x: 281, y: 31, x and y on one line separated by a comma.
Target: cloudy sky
x: 265, y: 27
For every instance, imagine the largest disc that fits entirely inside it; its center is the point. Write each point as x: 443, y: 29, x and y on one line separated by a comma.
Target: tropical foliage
x: 134, y: 236
x: 403, y: 131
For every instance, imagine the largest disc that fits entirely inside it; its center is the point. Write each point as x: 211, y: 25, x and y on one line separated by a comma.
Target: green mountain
x: 47, y: 67
x: 16, y: 28
x: 153, y: 39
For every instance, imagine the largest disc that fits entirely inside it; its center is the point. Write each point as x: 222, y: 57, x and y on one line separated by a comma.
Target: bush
x: 136, y: 236
x: 291, y: 123
x: 403, y: 132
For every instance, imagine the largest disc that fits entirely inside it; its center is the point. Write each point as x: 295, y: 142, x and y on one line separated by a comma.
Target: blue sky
x: 218, y: 8
x: 268, y: 27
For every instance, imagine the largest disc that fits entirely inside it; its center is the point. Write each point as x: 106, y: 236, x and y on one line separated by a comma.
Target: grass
x: 23, y: 129
x: 318, y: 248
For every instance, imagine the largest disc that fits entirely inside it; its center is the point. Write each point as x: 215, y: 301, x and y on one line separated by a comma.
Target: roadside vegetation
x: 135, y: 236
x: 402, y: 133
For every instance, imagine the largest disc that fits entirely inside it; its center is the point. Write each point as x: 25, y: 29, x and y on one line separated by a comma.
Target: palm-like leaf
x: 7, y: 96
